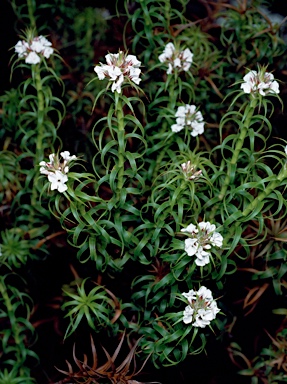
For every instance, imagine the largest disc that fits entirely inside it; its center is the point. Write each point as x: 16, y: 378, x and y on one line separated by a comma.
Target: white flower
x: 261, y: 82
x: 116, y: 86
x: 206, y: 226
x: 202, y: 308
x: 177, y: 63
x: 175, y: 58
x: 101, y: 71
x: 187, y: 116
x: 169, y: 69
x: 191, y: 246
x: 285, y: 149
x: 21, y: 48
x: 183, y: 109
x: 191, y: 228
x: 167, y: 53
x: 114, y: 73
x: 187, y: 58
x: 187, y: 314
x: 111, y: 58
x: 119, y: 68
x: 43, y: 168
x: 67, y: 157
x: 132, y: 61
x: 204, y: 317
x: 47, y: 52
x: 32, y: 58
x: 202, y: 257
x: 216, y: 239
x: 198, y: 129
x: 52, y: 158
x: 134, y: 75
x: 46, y: 168
x: 58, y: 180
x: 41, y: 45
x: 45, y: 42
x: 201, y: 239
x: 177, y: 127
x: 205, y: 293
x: 190, y: 295
x: 36, y: 46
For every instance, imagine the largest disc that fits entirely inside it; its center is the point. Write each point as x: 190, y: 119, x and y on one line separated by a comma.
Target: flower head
x: 261, y: 82
x: 119, y: 68
x: 179, y: 59
x: 56, y: 170
x: 188, y: 116
x: 201, y: 309
x: 34, y: 49
x: 189, y: 171
x: 201, y: 238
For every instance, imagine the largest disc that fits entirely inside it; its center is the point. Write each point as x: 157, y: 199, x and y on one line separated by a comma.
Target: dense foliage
x: 143, y: 173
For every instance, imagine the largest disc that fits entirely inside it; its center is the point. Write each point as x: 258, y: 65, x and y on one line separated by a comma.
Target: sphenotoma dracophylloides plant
x: 180, y: 183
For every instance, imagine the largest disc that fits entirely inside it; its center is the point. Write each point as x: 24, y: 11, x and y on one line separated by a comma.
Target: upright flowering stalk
x: 188, y: 116
x: 201, y: 238
x: 201, y: 308
x: 34, y: 50
x: 56, y: 170
x: 258, y: 85
x: 177, y: 59
x: 120, y: 68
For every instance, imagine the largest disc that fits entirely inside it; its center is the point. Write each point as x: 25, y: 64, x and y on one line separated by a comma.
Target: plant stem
x: 41, y: 113
x: 267, y: 191
x: 121, y: 144
x: 40, y: 125
x: 171, y: 105
x: 167, y: 9
x: 15, y: 328
x: 262, y: 195
x: 231, y: 167
x: 239, y: 143
x: 31, y: 10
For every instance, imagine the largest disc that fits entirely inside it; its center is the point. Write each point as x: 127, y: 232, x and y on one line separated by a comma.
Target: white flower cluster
x: 119, y: 67
x: 189, y: 171
x: 260, y: 82
x: 188, y: 116
x: 201, y: 238
x: 33, y: 50
x: 57, y: 171
x: 176, y: 59
x: 202, y: 308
